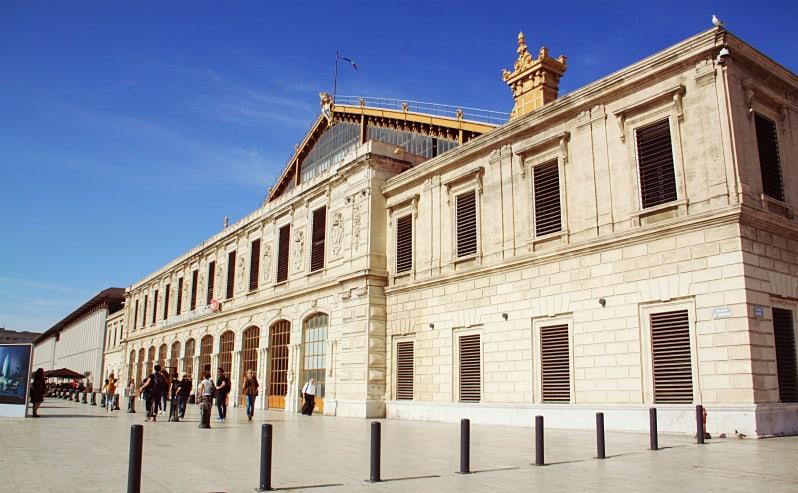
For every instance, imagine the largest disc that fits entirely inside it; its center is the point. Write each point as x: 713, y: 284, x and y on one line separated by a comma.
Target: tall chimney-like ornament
x: 534, y: 81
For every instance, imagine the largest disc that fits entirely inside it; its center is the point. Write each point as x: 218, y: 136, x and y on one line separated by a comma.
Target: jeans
x: 131, y: 404
x: 181, y: 405
x: 163, y: 402
x: 221, y: 406
x: 250, y: 405
x: 109, y: 402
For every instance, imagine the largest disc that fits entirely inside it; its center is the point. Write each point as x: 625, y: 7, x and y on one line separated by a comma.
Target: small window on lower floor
x: 555, y: 364
x: 404, y: 371
x: 470, y: 368
x: 671, y: 357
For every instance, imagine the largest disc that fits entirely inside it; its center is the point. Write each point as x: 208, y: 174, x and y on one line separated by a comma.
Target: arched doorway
x: 174, y: 358
x: 249, y: 355
x: 162, y: 356
x: 226, y: 343
x: 188, y: 358
x: 279, y: 338
x: 314, y: 352
x: 140, y: 368
x: 150, y: 361
x: 206, y: 348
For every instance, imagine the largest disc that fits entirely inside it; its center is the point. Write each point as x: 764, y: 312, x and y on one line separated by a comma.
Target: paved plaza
x: 78, y: 448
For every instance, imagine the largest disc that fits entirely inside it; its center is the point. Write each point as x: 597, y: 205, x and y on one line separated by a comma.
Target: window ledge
x: 473, y: 256
x: 777, y: 206
x: 281, y: 283
x: 402, y: 275
x: 676, y: 204
x: 548, y: 237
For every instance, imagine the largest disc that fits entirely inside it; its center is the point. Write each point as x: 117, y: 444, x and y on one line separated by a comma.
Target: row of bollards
x: 265, y: 484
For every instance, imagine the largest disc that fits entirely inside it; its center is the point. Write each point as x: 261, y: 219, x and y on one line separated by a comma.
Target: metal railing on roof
x: 434, y: 109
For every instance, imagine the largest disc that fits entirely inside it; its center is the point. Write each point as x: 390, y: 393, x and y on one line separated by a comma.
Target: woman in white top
x: 205, y: 391
x: 309, y: 393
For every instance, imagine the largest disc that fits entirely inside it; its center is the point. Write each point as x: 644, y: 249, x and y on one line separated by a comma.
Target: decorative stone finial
x: 534, y: 81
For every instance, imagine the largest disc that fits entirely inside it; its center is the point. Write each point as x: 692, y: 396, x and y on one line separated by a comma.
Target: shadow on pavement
x: 288, y: 488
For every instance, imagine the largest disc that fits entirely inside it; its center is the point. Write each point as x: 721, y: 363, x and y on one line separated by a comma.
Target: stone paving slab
x: 79, y: 448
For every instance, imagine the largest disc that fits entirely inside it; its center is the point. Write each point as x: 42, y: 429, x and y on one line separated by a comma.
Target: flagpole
x: 335, y: 79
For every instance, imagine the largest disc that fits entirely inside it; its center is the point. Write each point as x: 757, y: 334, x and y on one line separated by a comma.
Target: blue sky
x: 129, y: 130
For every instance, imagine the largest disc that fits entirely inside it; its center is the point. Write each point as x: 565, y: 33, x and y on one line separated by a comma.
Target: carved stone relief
x: 241, y: 272
x: 356, y: 225
x: 299, y: 249
x: 267, y: 263
x: 337, y: 232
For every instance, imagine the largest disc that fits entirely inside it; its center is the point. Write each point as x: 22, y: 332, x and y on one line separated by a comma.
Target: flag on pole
x: 354, y: 65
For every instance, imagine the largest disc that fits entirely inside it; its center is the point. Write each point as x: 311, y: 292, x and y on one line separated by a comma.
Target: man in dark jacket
x: 222, y: 389
x: 152, y: 389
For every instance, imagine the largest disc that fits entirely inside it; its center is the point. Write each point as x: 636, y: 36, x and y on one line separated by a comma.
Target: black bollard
x: 652, y: 428
x: 374, y: 477
x: 600, y: 452
x: 265, y: 458
x: 465, y: 446
x: 699, y: 423
x: 134, y: 461
x: 539, y: 441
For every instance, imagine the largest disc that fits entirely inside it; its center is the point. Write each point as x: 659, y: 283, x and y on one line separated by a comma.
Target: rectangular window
x: 114, y: 336
x: 155, y: 307
x: 767, y: 143
x: 671, y: 357
x: 282, y: 252
x: 136, y: 314
x: 466, y: 220
x: 144, y: 313
x: 784, y: 334
x: 254, y: 265
x: 655, y: 162
x: 319, y: 232
x: 193, y: 301
x: 470, y: 368
x: 546, y: 183
x: 404, y: 244
x: 211, y: 275
x: 179, y: 303
x: 404, y: 371
x: 166, y: 301
x: 555, y: 364
x: 231, y: 273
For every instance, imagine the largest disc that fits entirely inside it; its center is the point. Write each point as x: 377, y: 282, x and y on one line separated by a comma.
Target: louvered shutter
x: 136, y: 315
x: 466, y: 220
x: 784, y: 333
x: 211, y: 277
x: 470, y: 371
x: 319, y: 233
x: 254, y: 265
x: 155, y: 307
x: 555, y: 364
x: 166, y: 301
x: 282, y: 253
x: 231, y: 274
x: 193, y: 303
x: 547, y: 198
x: 671, y: 357
x: 404, y: 371
x: 404, y: 243
x: 655, y: 159
x: 179, y: 303
x: 767, y: 143
x: 144, y: 313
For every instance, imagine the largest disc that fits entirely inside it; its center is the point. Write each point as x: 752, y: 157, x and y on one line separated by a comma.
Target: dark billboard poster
x: 14, y: 373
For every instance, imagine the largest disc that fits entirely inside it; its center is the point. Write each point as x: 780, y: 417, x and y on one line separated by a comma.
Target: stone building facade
x: 630, y: 244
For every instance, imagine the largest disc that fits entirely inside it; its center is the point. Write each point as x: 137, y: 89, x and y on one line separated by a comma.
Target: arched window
x: 162, y: 356
x: 279, y: 338
x: 249, y: 351
x: 315, y: 353
x: 140, y: 367
x: 188, y: 358
x: 226, y: 342
x: 150, y: 361
x: 175, y: 356
x: 206, y: 348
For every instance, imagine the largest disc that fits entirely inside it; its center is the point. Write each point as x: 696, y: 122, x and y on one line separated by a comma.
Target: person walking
x: 152, y: 389
x: 131, y: 396
x: 309, y: 393
x: 173, y: 409
x: 37, y: 391
x: 222, y: 390
x: 183, y: 393
x: 250, y: 390
x: 104, y: 395
x: 111, y: 392
x: 167, y: 390
x: 205, y: 391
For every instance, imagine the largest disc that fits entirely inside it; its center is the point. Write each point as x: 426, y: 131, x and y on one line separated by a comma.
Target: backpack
x: 158, y: 383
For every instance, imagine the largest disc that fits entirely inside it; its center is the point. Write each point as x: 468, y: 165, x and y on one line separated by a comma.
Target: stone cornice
x: 567, y: 106
x: 727, y: 215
